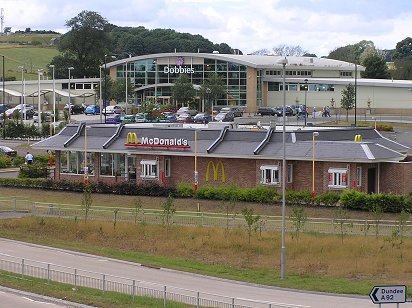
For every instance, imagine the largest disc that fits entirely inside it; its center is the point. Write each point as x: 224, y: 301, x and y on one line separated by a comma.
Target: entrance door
x: 371, y: 180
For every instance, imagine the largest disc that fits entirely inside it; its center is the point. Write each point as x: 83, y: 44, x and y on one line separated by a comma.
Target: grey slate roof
x: 330, y: 144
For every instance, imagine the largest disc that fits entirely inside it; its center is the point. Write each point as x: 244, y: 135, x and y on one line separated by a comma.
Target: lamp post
x: 105, y: 85
x: 356, y: 86
x: 70, y: 106
x: 86, y: 168
x: 100, y: 94
x: 283, y: 248
x: 306, y: 91
x: 39, y: 73
x: 54, y: 98
x: 208, y: 100
x: 332, y: 104
x: 314, y: 134
x: 4, y: 102
x: 196, y: 172
x: 126, y: 77
x: 21, y: 67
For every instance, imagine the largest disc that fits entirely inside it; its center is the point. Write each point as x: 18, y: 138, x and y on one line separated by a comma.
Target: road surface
x: 80, y: 261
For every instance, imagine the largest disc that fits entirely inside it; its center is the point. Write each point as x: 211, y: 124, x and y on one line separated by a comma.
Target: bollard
x: 48, y: 273
x: 104, y: 283
x: 198, y: 300
x: 22, y: 268
x: 75, y: 278
x: 164, y: 296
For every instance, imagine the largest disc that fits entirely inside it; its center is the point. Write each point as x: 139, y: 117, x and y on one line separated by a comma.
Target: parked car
x: 4, y: 107
x: 74, y: 109
x: 289, y: 111
x: 45, y: 116
x: 28, y: 111
x: 140, y: 118
x: 128, y: 118
x: 168, y: 118
x: 114, y: 119
x: 184, y: 118
x: 237, y: 111
x: 202, y: 118
x: 267, y: 111
x: 224, y: 117
x: 112, y: 110
x: 182, y: 110
x: 92, y: 109
x: 7, y: 151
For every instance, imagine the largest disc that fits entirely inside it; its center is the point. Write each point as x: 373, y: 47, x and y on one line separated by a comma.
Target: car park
x: 202, y: 118
x: 112, y: 110
x: 92, y: 109
x: 7, y: 151
x: 225, y: 117
x: 182, y: 110
x: 266, y: 111
x: 74, y: 109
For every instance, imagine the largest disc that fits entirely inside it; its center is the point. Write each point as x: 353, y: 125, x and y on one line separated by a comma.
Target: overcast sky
x: 318, y: 26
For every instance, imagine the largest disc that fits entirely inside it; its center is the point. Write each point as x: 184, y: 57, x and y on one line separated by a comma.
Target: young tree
x: 183, y: 91
x: 252, y: 221
x: 347, y: 101
x: 341, y: 216
x: 168, y: 210
x: 212, y: 89
x: 298, y: 218
x: 87, y: 201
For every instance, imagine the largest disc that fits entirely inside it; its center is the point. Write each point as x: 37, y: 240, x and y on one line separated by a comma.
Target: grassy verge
x: 328, y: 263
x: 81, y: 295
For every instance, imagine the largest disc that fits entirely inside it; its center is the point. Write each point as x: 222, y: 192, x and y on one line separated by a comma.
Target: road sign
x: 388, y: 294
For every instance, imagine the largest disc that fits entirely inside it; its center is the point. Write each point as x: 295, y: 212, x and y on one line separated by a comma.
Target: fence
x: 206, y: 219
x: 132, y: 287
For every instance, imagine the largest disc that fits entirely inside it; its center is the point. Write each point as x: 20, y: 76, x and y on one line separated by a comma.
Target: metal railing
x: 133, y: 287
x: 208, y: 219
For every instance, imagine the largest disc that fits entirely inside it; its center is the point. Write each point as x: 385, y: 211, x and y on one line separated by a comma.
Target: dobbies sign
x: 178, y: 68
x: 153, y: 142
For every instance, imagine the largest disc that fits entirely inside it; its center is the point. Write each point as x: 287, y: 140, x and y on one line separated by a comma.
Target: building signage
x: 178, y: 68
x: 177, y: 143
x: 388, y: 294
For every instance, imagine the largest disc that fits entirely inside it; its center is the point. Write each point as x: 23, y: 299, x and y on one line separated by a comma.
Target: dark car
x: 117, y: 118
x: 237, y: 111
x: 4, y: 107
x: 267, y: 111
x: 7, y: 151
x: 289, y: 111
x: 74, y: 109
x: 225, y: 117
x: 202, y: 118
x: 184, y: 118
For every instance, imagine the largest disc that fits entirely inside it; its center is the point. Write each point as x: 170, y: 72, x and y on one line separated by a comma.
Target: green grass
x: 82, y: 295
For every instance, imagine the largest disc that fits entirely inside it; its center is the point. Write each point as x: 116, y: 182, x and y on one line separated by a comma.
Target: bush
x: 354, y: 200
x: 185, y: 190
x: 387, y: 202
x: 33, y: 171
x: 298, y: 197
x: 327, y: 199
x: 5, y: 161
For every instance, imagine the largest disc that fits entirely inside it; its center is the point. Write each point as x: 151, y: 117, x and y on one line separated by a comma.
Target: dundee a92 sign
x: 388, y: 294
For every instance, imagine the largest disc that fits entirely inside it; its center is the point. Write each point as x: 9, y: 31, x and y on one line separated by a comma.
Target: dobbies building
x: 359, y: 158
x: 255, y: 80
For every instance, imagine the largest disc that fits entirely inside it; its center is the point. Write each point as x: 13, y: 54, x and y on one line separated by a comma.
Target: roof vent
x: 215, y: 51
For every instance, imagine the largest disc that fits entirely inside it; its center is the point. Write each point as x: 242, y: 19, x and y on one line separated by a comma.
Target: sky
x: 318, y: 26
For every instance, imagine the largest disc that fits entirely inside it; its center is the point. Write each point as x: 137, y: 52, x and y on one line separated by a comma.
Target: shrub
x: 387, y: 202
x: 354, y: 200
x: 185, y: 190
x: 32, y: 171
x: 298, y: 197
x: 327, y: 199
x: 5, y: 161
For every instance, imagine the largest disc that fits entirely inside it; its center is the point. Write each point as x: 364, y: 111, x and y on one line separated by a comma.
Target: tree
x: 375, y: 67
x: 298, y: 218
x: 252, y: 221
x: 351, y: 53
x: 403, y: 49
x: 212, y: 88
x: 87, y: 201
x: 403, y: 68
x: 347, y: 101
x: 285, y: 50
x: 86, y: 43
x: 182, y: 90
x: 168, y: 210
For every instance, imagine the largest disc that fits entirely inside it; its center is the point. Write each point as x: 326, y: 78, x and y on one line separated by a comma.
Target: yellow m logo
x: 215, y: 171
x: 358, y: 138
x: 131, y: 138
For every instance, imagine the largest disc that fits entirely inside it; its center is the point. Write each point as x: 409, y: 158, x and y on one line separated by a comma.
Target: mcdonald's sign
x: 358, y: 138
x: 215, y: 171
x: 131, y: 138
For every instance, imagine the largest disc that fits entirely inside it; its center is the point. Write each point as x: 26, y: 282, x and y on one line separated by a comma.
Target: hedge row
x: 352, y: 199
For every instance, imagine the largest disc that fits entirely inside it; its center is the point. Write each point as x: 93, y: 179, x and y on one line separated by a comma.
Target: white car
x: 28, y: 110
x: 112, y: 110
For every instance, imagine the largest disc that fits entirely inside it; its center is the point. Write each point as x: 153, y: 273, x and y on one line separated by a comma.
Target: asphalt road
x: 185, y: 281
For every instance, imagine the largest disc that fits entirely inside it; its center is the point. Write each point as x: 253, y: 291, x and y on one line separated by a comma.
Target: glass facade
x: 162, y: 72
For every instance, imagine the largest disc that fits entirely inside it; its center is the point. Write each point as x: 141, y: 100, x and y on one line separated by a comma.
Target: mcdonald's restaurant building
x: 359, y: 158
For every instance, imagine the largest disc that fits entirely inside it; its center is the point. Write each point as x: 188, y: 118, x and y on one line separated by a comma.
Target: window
x: 358, y: 176
x: 338, y: 178
x: 149, y: 169
x: 112, y: 164
x: 167, y: 167
x: 290, y: 173
x: 269, y: 175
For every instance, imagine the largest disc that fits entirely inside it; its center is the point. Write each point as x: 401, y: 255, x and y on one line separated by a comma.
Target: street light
x: 21, y: 67
x: 54, y: 98
x: 86, y: 168
x: 332, y: 104
x: 126, y: 77
x: 39, y: 73
x: 4, y: 109
x: 314, y: 134
x: 208, y: 91
x: 283, y: 249
x: 70, y: 106
x: 306, y: 91
x: 105, y: 85
x: 356, y: 86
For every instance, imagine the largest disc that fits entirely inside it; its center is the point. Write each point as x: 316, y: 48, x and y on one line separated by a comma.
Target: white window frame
x: 274, y: 175
x: 358, y: 176
x: 168, y: 167
x: 150, y: 169
x: 338, y: 175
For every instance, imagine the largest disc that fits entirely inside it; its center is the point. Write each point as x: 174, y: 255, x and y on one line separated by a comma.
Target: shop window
x: 112, y: 164
x: 338, y: 178
x: 358, y: 176
x: 269, y: 175
x: 167, y: 167
x: 150, y: 169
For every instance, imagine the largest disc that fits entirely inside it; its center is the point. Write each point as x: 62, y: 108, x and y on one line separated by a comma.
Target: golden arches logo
x: 131, y: 138
x: 358, y: 138
x: 215, y: 171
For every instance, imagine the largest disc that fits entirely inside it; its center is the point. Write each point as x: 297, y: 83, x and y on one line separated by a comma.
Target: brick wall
x: 396, y: 178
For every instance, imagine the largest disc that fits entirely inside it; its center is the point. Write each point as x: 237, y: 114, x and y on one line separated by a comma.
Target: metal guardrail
x: 206, y: 219
x: 132, y: 287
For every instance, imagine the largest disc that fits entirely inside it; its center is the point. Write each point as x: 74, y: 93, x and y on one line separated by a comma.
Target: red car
x: 184, y: 118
